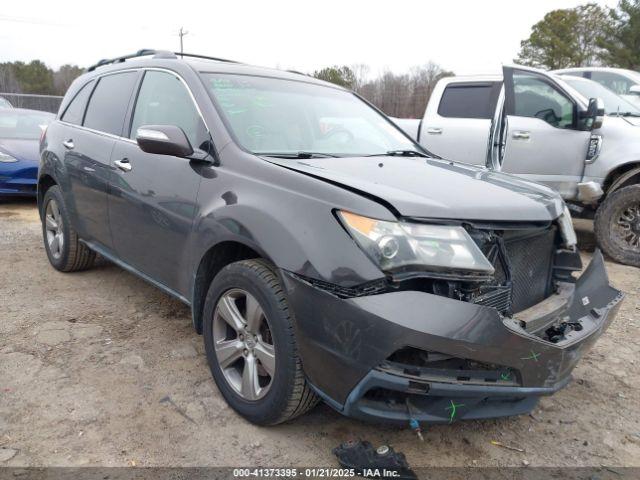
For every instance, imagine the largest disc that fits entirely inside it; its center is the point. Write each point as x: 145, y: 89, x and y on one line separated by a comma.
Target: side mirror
x: 634, y: 90
x: 163, y: 140
x: 594, y: 116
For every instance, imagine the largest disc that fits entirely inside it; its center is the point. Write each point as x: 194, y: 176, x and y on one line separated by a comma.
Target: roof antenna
x: 181, y: 34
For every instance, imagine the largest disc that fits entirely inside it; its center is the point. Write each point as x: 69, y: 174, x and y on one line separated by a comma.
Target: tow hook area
x: 556, y: 333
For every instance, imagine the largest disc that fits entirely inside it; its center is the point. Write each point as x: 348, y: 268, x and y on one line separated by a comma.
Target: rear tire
x: 280, y: 396
x: 617, y: 225
x: 61, y: 242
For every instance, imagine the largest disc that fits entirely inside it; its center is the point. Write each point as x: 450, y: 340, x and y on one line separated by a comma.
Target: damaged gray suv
x: 323, y: 253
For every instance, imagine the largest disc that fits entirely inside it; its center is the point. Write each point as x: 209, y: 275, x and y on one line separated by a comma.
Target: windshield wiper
x: 400, y: 153
x: 301, y: 154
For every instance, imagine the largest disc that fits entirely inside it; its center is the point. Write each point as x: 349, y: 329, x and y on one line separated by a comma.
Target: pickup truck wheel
x: 251, y: 347
x: 64, y: 250
x: 617, y: 225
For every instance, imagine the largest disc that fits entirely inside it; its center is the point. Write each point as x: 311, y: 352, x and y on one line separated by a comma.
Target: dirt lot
x: 99, y: 368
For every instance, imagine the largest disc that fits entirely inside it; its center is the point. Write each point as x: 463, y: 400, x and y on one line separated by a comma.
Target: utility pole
x: 181, y: 34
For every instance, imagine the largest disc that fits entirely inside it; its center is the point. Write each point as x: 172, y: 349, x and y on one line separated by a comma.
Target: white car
x: 621, y: 81
x: 539, y: 126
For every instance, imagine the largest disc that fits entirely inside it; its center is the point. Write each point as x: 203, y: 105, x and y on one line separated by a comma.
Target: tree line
x: 35, y: 77
x: 402, y: 95
x: 586, y: 35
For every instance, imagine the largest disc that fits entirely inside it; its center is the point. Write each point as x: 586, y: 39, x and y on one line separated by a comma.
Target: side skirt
x: 135, y: 271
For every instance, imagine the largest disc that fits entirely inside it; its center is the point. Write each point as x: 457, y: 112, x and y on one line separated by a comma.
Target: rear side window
x: 164, y: 100
x: 75, y: 110
x: 468, y: 101
x: 109, y: 102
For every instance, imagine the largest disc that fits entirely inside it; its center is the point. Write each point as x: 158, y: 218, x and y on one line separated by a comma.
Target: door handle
x: 434, y: 131
x: 520, y: 135
x: 123, y: 164
x: 68, y: 144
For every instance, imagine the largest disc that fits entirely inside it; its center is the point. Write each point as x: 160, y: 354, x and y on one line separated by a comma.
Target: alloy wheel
x: 243, y: 344
x: 628, y: 227
x: 53, y: 227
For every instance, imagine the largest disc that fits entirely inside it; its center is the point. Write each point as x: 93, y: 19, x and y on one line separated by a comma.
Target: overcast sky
x: 467, y: 36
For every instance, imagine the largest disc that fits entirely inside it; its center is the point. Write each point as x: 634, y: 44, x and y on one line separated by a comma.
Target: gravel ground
x: 99, y: 368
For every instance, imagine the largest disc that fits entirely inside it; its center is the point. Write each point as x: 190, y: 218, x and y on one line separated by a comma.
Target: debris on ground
x: 508, y: 447
x: 373, y: 463
x: 168, y: 401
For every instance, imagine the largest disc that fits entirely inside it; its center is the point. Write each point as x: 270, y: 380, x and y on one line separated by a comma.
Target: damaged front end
x: 455, y: 345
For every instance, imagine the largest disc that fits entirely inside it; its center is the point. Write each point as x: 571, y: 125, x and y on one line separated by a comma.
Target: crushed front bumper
x: 345, y: 345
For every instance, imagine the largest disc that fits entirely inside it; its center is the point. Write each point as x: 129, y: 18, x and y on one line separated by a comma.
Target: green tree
x: 565, y: 38
x: 64, y: 76
x: 343, y: 76
x: 34, y: 77
x: 620, y: 42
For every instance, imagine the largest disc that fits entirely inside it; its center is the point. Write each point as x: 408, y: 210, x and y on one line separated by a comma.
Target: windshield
x: 275, y: 116
x: 23, y: 126
x: 613, y: 104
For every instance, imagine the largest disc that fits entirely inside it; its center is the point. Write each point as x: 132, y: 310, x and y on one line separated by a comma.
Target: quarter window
x: 468, y: 101
x: 536, y: 98
x: 164, y: 100
x: 109, y: 101
x: 74, y: 112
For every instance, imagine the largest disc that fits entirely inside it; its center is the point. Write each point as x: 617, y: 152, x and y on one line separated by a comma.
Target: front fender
x: 298, y: 234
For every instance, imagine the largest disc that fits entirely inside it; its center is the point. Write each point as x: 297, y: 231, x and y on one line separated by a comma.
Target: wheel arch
x: 45, y: 182
x: 215, y: 259
x: 622, y: 176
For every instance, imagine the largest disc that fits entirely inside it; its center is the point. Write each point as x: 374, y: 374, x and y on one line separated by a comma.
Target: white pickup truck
x: 536, y: 125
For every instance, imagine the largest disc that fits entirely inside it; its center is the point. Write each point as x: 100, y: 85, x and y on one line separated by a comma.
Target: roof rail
x: 156, y: 54
x: 194, y: 55
x: 140, y: 53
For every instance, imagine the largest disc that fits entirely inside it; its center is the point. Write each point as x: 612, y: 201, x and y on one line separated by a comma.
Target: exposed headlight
x: 397, y: 245
x: 566, y: 228
x: 6, y: 158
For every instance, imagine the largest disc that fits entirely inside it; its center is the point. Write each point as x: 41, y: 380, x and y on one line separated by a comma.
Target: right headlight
x: 399, y: 245
x: 6, y: 158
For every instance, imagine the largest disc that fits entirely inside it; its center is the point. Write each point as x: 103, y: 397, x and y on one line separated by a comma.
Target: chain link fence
x: 46, y: 103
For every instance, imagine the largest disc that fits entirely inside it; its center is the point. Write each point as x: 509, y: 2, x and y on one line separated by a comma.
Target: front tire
x: 617, y: 225
x: 251, y: 347
x: 61, y: 242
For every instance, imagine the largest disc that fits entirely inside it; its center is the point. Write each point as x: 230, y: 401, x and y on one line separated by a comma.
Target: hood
x: 23, y: 150
x: 430, y: 188
x: 623, y: 128
x: 635, y: 121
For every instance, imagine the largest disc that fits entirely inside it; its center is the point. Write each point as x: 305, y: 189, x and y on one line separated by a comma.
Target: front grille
x: 530, y: 258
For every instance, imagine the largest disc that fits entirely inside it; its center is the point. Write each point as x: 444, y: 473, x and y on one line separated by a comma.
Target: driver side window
x: 164, y: 100
x: 536, y: 98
